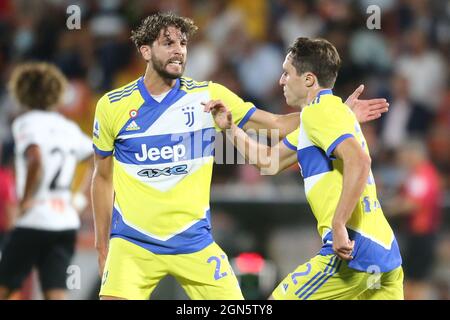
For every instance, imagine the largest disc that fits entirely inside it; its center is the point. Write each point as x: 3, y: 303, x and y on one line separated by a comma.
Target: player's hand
x: 222, y: 116
x: 366, y: 110
x: 342, y: 245
x: 79, y: 202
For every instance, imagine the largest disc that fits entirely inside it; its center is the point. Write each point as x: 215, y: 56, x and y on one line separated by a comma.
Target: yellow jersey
x: 325, y: 123
x: 163, y: 158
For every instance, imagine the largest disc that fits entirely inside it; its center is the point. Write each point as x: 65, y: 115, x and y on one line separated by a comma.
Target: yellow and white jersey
x: 163, y: 158
x: 325, y: 123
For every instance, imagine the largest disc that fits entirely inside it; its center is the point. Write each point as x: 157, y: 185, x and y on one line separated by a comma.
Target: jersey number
x: 62, y: 177
x: 217, y: 273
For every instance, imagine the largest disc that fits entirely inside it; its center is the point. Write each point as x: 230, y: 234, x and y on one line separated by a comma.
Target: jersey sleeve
x: 291, y: 140
x: 240, y: 110
x: 327, y: 127
x: 102, y: 137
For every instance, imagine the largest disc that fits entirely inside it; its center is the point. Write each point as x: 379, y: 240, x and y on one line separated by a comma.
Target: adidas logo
x: 132, y: 126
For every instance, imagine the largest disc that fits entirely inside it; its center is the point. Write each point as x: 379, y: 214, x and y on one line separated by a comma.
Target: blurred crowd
x: 242, y: 44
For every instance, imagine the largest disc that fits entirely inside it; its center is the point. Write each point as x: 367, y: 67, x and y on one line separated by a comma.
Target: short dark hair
x: 317, y: 56
x: 151, y: 26
x: 37, y: 85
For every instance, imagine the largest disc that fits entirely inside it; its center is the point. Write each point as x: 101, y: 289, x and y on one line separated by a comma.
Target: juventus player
x: 47, y: 149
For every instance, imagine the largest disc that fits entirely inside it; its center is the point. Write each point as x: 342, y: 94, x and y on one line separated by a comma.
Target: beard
x: 159, y: 66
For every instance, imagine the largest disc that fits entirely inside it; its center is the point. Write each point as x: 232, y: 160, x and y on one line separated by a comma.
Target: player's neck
x: 155, y: 84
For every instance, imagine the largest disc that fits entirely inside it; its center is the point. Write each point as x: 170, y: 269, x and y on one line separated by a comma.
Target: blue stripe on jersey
x: 367, y: 253
x: 313, y: 161
x: 190, y: 84
x: 166, y: 148
x: 125, y: 90
x: 123, y: 95
x: 191, y: 240
x: 101, y: 152
x: 149, y: 112
x: 246, y: 117
x: 117, y: 93
x: 336, y: 143
x: 289, y: 145
x: 196, y: 87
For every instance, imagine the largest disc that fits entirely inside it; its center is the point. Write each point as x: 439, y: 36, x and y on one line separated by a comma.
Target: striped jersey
x: 325, y: 123
x: 163, y: 159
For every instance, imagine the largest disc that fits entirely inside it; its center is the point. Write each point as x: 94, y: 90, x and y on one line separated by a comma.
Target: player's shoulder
x: 330, y: 102
x: 120, y: 94
x: 66, y: 122
x: 190, y: 85
x: 32, y: 118
x: 325, y: 106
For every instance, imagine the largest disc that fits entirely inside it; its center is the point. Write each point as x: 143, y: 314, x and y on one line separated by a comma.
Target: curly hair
x: 151, y: 26
x: 37, y: 85
x: 317, y: 56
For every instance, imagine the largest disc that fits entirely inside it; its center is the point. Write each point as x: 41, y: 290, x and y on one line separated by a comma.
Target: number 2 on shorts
x: 217, y: 274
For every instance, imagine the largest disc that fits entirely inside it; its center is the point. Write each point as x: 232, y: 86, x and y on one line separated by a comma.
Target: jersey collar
x: 170, y: 98
x: 324, y: 91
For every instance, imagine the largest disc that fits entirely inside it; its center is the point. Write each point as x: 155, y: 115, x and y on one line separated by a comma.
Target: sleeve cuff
x: 336, y: 143
x: 246, y: 117
x: 289, y: 145
x: 101, y: 152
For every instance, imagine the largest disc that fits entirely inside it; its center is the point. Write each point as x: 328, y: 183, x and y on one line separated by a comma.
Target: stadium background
x: 241, y: 44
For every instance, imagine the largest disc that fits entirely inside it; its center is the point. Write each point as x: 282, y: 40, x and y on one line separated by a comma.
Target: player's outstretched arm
x: 270, y: 160
x: 284, y: 123
x: 102, y: 194
x: 366, y: 110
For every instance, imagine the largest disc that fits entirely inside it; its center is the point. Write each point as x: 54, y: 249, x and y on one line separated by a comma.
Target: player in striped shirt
x: 360, y: 257
x: 153, y: 167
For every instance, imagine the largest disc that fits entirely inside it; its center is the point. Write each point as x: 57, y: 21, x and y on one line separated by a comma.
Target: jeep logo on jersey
x: 174, y: 153
x: 189, y: 112
x: 153, y: 173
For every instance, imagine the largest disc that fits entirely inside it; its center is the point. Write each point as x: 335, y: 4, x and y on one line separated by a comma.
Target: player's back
x: 62, y: 145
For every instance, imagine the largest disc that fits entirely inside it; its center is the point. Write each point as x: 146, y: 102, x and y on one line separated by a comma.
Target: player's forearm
x: 356, y: 172
x: 286, y: 123
x: 102, y: 194
x: 255, y: 153
x: 283, y: 124
x: 33, y: 179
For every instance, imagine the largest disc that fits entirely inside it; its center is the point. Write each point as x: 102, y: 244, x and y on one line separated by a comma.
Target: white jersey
x: 62, y: 144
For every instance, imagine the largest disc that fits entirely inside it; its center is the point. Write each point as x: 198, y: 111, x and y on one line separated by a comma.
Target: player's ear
x: 310, y: 79
x: 146, y: 52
